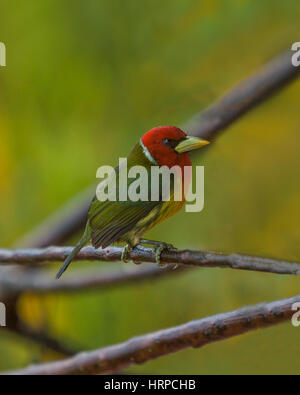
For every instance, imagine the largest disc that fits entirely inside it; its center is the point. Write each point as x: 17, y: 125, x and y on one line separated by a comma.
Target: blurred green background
x: 84, y: 79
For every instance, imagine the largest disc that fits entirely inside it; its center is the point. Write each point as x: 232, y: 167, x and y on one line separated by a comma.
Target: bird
x: 126, y: 221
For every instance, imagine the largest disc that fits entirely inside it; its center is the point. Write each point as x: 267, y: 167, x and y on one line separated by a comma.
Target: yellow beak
x: 190, y: 143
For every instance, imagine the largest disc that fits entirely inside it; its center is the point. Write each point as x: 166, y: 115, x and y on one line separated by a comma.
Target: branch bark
x: 142, y: 254
x: 147, y: 347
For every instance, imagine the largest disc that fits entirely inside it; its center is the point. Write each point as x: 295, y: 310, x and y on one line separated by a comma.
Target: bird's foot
x: 125, y: 254
x: 160, y: 246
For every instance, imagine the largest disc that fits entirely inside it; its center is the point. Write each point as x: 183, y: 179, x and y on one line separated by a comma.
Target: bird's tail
x: 85, y: 238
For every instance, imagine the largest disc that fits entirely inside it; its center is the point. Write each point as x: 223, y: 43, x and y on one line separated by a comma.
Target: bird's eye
x: 170, y: 143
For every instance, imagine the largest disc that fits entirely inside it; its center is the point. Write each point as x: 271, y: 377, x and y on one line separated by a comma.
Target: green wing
x: 109, y: 221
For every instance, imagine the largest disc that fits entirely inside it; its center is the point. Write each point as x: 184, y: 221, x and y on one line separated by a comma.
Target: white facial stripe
x: 147, y: 153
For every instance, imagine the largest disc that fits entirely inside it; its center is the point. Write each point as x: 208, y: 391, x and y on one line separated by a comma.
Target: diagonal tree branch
x: 244, y: 96
x: 142, y: 254
x: 62, y: 224
x: 147, y: 347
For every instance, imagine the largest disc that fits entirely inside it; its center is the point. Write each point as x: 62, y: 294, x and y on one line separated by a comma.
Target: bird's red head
x: 170, y: 146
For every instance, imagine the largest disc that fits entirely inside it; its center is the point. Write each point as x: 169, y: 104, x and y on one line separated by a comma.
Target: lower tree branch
x: 147, y: 347
x: 37, y: 281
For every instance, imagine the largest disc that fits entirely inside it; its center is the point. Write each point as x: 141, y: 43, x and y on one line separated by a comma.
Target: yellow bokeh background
x: 83, y: 81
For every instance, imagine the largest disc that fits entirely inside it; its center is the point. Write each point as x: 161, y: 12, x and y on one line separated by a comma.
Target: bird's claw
x: 158, y: 250
x: 125, y: 255
x: 159, y: 247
